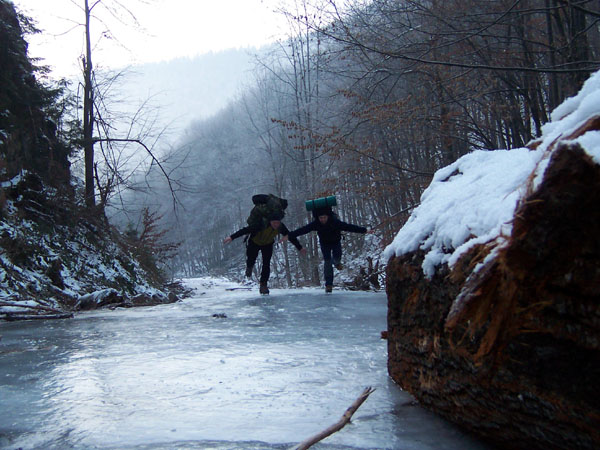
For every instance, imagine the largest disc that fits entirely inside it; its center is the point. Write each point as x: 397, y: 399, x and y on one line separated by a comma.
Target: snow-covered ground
x: 50, y: 263
x: 224, y: 369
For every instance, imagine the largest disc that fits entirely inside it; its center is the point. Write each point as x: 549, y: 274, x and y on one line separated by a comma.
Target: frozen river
x: 221, y: 370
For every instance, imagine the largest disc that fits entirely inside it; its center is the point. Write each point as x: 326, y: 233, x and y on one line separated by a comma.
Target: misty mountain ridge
x: 188, y: 89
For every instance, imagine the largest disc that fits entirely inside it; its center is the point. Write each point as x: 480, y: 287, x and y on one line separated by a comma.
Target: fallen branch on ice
x: 11, y: 317
x: 345, y: 419
x: 36, y: 307
x: 45, y: 312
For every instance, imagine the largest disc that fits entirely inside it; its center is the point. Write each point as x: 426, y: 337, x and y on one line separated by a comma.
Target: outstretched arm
x: 303, y: 230
x: 237, y: 234
x: 286, y: 234
x: 352, y: 228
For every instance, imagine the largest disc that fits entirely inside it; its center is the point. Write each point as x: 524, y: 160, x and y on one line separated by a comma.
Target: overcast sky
x: 167, y: 29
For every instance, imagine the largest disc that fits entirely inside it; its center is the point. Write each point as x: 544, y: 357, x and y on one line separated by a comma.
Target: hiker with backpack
x: 329, y: 229
x: 264, y: 225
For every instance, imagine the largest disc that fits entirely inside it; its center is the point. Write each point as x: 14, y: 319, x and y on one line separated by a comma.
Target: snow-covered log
x: 495, y: 323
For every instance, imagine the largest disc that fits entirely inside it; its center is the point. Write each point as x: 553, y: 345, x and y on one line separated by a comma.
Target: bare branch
x: 344, y: 420
x: 154, y: 159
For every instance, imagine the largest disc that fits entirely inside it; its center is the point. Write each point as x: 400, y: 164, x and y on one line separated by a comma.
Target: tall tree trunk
x: 88, y: 114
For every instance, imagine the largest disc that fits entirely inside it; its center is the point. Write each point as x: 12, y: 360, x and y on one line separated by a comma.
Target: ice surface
x: 221, y: 370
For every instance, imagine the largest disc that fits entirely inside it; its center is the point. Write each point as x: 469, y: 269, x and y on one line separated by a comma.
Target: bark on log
x: 511, y: 352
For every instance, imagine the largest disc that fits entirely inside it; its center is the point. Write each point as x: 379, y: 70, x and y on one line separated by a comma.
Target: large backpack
x: 264, y: 206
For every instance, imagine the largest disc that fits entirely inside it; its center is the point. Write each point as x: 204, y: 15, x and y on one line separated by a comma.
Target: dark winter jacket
x: 331, y: 232
x: 258, y: 233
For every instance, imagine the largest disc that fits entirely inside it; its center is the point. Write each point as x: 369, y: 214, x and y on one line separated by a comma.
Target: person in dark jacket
x: 329, y: 229
x: 262, y: 240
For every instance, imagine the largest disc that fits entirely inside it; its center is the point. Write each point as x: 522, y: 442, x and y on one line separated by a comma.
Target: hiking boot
x: 339, y: 266
x: 328, y: 289
x: 263, y: 289
x: 248, y: 272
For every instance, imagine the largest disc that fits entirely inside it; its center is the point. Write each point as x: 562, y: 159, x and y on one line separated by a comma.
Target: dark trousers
x: 251, y: 255
x: 332, y: 254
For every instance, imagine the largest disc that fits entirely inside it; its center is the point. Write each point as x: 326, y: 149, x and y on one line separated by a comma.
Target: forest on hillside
x: 366, y: 100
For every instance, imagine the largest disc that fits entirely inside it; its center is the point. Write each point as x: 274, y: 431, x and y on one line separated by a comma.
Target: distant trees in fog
x: 366, y: 100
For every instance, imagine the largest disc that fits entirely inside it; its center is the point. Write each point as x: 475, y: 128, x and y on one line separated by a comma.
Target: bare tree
x: 97, y: 126
x: 428, y: 81
x: 88, y: 109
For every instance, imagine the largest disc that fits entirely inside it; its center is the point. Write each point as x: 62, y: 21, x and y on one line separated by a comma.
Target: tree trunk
x: 88, y: 114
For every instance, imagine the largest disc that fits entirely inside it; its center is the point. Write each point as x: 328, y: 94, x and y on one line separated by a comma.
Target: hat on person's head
x: 326, y: 211
x: 276, y: 215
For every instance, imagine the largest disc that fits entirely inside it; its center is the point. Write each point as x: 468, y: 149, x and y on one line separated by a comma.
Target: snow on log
x: 494, y: 318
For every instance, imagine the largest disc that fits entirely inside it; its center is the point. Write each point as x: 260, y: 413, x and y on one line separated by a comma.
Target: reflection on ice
x: 267, y: 372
